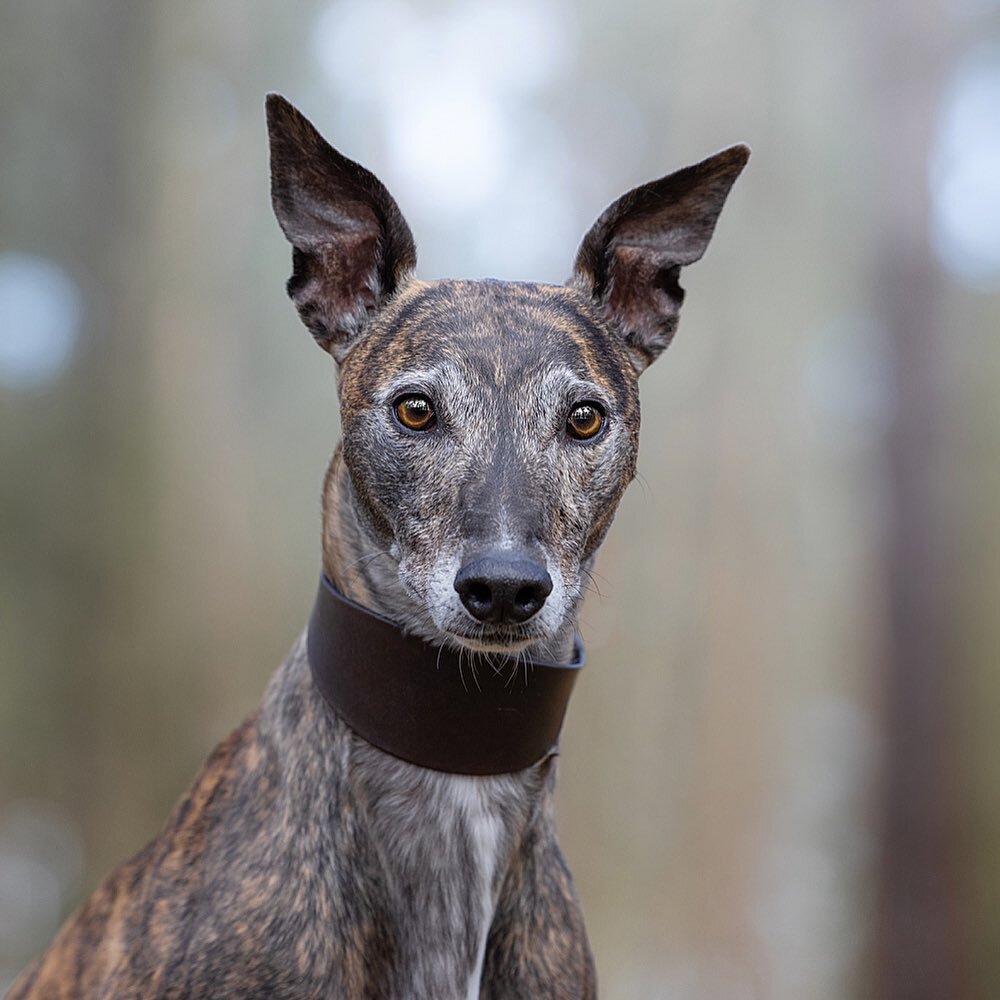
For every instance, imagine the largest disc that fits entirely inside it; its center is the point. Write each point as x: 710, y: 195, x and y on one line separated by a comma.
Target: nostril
x: 479, y: 597
x: 527, y: 597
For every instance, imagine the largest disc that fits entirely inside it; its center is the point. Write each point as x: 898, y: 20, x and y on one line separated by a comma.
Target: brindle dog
x: 489, y: 430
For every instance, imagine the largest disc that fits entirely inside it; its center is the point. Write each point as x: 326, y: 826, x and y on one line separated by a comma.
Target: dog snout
x: 502, y: 588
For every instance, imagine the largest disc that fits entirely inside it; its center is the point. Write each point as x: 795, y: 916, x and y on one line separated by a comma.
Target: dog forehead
x: 498, y: 330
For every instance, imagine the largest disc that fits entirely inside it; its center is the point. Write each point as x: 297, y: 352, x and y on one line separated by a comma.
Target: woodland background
x: 780, y: 775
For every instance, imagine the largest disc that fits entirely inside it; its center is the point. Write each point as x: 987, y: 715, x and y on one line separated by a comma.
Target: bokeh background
x: 780, y: 774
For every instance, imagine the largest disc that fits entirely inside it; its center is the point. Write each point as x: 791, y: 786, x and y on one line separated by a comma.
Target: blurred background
x: 780, y: 777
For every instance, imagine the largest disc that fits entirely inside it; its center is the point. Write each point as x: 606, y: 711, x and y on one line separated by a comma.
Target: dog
x: 383, y: 825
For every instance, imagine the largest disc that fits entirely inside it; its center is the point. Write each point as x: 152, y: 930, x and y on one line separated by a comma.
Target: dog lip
x: 497, y: 643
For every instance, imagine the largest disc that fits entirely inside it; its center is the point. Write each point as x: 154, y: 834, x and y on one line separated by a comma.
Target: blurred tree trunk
x: 73, y: 142
x: 920, y: 945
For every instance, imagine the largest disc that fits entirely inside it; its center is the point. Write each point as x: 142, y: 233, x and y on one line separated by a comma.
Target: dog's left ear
x: 630, y: 260
x: 351, y: 246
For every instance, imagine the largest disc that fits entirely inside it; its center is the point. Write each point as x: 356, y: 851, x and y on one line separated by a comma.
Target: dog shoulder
x: 126, y: 929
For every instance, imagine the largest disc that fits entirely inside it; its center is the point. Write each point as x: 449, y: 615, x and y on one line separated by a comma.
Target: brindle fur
x: 303, y: 862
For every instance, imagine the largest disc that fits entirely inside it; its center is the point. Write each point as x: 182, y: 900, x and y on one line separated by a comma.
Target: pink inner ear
x: 348, y: 273
x: 633, y: 299
x: 637, y: 302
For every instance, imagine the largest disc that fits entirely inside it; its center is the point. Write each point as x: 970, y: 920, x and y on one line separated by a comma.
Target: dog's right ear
x: 351, y: 246
x: 631, y: 259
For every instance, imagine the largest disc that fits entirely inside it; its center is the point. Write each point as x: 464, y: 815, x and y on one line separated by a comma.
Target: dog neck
x: 421, y: 704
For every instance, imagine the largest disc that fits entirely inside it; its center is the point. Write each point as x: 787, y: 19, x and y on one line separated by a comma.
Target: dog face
x: 489, y: 428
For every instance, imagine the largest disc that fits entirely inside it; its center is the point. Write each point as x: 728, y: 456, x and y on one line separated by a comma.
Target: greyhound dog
x: 383, y: 825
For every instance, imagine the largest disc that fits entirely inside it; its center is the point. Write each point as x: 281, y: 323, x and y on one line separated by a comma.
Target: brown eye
x: 585, y: 421
x: 415, y: 413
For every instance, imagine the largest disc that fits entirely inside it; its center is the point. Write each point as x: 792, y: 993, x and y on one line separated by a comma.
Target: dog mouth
x: 494, y: 641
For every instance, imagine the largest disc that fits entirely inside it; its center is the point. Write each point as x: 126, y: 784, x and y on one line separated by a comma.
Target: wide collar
x: 456, y: 712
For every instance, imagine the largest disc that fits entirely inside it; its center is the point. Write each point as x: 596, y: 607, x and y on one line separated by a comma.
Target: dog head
x: 489, y: 428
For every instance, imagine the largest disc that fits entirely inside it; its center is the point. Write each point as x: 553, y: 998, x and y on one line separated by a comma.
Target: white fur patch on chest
x: 485, y: 832
x: 445, y: 841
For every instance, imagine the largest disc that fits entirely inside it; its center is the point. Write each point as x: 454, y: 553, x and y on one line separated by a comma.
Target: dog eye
x: 585, y: 421
x: 414, y: 412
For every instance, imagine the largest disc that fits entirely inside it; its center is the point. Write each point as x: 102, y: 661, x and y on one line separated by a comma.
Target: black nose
x: 502, y: 588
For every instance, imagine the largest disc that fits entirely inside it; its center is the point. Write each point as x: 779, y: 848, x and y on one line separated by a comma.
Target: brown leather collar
x: 425, y: 703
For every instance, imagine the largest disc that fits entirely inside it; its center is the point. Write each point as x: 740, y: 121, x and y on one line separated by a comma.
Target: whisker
x: 647, y: 490
x: 595, y: 587
x: 461, y: 674
x: 512, y: 676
